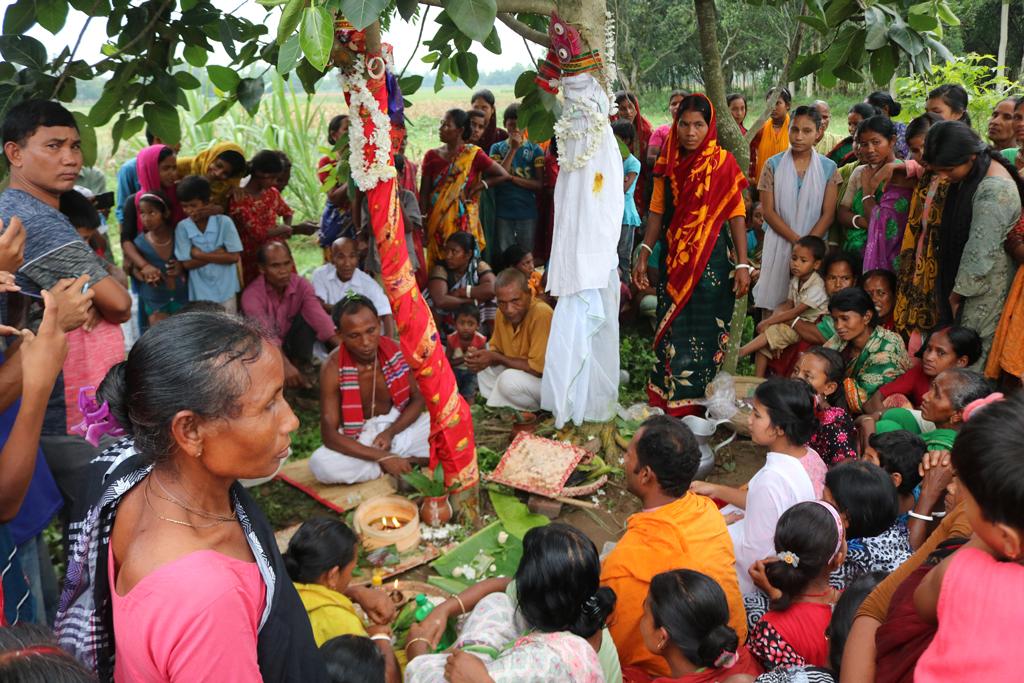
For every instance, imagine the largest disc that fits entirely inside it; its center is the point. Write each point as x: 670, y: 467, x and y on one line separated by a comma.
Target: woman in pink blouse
x: 176, y: 569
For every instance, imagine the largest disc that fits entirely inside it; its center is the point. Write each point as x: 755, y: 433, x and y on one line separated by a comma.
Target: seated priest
x: 509, y: 371
x: 372, y: 417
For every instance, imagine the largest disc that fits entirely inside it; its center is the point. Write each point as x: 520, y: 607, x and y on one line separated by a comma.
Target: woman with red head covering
x: 157, y: 166
x: 697, y: 189
x: 629, y: 110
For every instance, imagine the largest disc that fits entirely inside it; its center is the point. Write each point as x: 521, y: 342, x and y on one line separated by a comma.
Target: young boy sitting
x: 899, y: 453
x: 806, y: 301
x: 208, y: 246
x: 466, y: 336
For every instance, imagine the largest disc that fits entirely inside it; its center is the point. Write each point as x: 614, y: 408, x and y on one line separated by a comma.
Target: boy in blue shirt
x: 207, y: 246
x: 625, y: 134
x: 515, y: 201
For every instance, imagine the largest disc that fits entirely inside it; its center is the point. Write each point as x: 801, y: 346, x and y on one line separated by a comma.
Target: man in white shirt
x: 332, y: 281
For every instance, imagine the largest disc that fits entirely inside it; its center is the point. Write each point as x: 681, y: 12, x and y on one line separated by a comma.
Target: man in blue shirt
x: 516, y: 201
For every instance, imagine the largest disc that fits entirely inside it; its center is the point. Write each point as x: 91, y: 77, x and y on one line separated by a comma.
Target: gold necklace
x: 179, y: 522
x: 155, y: 243
x: 196, y: 511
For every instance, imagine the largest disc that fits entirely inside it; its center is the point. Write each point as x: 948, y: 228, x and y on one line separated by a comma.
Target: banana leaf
x: 506, y: 555
x: 515, y: 516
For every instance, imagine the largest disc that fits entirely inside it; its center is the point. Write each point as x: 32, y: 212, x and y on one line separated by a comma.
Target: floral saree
x: 883, y: 359
x: 451, y: 210
x: 916, y: 309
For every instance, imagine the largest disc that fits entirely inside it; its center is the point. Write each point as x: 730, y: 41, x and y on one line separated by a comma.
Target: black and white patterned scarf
x: 286, y: 650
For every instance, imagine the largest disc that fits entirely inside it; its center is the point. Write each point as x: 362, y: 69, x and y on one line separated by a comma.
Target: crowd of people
x: 881, y: 540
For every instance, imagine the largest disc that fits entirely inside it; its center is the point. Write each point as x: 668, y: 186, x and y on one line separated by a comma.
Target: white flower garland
x: 365, y: 172
x: 610, y: 70
x: 592, y: 131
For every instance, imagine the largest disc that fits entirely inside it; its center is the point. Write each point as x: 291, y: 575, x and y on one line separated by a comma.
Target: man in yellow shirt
x: 675, y: 529
x: 510, y: 371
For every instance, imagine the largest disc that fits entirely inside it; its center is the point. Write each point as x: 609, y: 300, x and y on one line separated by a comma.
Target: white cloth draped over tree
x: 581, y: 370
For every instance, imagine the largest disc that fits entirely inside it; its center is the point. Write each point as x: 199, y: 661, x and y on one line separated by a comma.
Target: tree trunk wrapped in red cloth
x: 372, y: 165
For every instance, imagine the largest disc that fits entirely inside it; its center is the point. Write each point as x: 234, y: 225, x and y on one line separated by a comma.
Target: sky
x: 402, y: 36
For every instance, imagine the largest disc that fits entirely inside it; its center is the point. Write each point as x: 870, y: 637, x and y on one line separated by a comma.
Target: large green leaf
x: 466, y: 61
x: 107, y: 105
x: 316, y: 36
x: 51, y: 14
x: 186, y: 81
x: 475, y: 18
x: 362, y: 13
x: 493, y: 42
x: 816, y: 23
x: 839, y: 11
x: 163, y: 120
x: 309, y: 76
x: 923, y: 22
x: 525, y: 83
x: 410, y: 84
x: 805, y: 65
x: 250, y: 92
x: 939, y: 49
x: 515, y: 516
x: 288, y: 56
x: 224, y: 78
x: 24, y: 50
x: 290, y: 17
x: 19, y: 17
x: 946, y: 14
x: 878, y: 29
x: 88, y: 135
x: 9, y: 96
x: 407, y: 8
x: 506, y: 555
x: 883, y: 64
x: 908, y: 41
x: 216, y: 111
x: 195, y: 55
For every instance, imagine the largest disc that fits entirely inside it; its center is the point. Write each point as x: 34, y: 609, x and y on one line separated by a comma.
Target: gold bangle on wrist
x: 418, y: 639
x: 462, y: 605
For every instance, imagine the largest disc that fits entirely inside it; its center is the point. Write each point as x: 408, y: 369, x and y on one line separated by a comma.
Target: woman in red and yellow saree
x: 697, y: 189
x: 453, y: 176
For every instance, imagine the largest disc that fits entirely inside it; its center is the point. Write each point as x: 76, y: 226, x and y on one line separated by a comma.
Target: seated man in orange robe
x: 675, y: 529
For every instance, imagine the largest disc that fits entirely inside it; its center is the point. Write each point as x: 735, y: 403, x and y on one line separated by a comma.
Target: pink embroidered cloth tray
x: 538, y: 465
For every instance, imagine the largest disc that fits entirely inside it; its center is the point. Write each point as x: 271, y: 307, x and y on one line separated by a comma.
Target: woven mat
x: 338, y: 497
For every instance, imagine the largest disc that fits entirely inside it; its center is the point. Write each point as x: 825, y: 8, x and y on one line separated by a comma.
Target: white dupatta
x: 799, y: 205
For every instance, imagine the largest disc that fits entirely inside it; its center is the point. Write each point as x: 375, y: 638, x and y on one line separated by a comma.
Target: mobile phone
x: 104, y: 201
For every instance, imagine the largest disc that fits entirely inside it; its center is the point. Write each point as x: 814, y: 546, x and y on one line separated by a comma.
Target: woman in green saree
x: 874, y: 355
x: 697, y: 190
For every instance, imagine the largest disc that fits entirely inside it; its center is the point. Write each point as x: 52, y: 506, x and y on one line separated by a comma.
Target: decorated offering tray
x: 538, y: 465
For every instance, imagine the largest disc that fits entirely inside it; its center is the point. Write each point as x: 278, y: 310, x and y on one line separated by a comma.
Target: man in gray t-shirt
x: 43, y: 150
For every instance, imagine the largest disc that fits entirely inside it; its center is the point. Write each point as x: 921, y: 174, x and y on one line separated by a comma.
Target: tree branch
x: 523, y: 30
x: 142, y: 34
x: 419, y: 39
x: 794, y: 51
x: 71, y: 57
x: 544, y: 7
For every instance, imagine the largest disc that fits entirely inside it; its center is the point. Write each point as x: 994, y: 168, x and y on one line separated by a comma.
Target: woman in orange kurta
x: 1006, y: 359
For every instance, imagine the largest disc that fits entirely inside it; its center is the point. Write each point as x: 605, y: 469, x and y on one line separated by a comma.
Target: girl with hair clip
x: 549, y: 627
x: 974, y: 595
x: 983, y: 206
x: 809, y: 546
x: 453, y: 177
x: 835, y: 438
x: 783, y: 419
x: 686, y: 621
x: 255, y: 211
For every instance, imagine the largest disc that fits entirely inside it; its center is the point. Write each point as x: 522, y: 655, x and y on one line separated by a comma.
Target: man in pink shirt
x: 287, y: 307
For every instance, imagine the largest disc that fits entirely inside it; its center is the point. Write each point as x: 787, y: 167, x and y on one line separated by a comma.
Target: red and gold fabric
x: 451, y: 425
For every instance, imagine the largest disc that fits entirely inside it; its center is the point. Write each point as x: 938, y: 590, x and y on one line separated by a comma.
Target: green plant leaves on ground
x: 475, y: 18
x: 316, y: 36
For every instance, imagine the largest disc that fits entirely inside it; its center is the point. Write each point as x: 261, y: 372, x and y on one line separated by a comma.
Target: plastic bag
x: 721, y: 400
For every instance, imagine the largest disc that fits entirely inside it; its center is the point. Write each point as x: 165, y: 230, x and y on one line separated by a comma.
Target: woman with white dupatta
x: 798, y: 190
